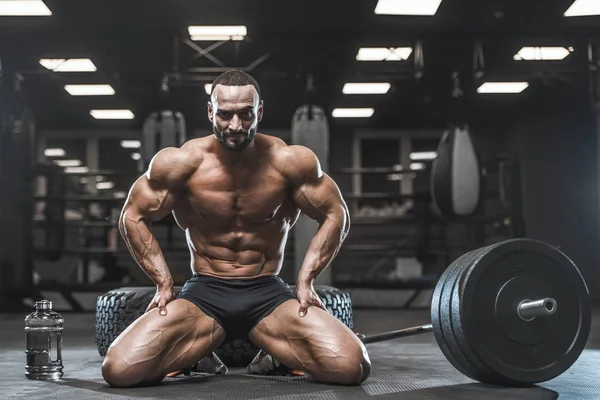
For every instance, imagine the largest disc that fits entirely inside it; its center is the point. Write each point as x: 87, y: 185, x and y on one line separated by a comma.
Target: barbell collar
x: 530, y: 309
x: 381, y: 337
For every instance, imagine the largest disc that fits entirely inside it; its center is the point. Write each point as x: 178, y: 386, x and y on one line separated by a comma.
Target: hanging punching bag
x: 310, y: 129
x: 162, y: 129
x: 456, y: 175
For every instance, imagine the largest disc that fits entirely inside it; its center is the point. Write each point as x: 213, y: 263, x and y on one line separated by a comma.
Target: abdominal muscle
x: 237, y: 254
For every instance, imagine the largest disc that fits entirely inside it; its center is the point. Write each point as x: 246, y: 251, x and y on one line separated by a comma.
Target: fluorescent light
x: 503, y: 87
x: 32, y: 8
x: 68, y: 65
x: 112, y: 114
x: 423, y: 155
x: 394, y: 177
x: 216, y: 38
x: 208, y: 88
x: 54, y: 153
x: 407, y: 7
x: 90, y: 90
x: 131, y: 144
x: 352, y: 112
x: 581, y: 8
x: 136, y: 156
x: 77, y: 170
x: 417, y: 166
x: 383, y: 53
x: 217, y: 33
x: 366, y: 88
x: 542, y: 53
x: 68, y: 163
x: 120, y: 195
x: 104, y: 185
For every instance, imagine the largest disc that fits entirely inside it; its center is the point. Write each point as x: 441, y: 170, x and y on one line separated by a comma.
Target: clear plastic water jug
x: 44, y: 329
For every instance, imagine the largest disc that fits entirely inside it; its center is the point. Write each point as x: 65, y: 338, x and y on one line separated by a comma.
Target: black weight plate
x: 440, y: 317
x: 435, y: 314
x: 522, y: 353
x: 460, y: 349
x: 456, y: 320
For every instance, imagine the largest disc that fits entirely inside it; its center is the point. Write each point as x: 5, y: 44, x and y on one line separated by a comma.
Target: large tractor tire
x: 119, y: 308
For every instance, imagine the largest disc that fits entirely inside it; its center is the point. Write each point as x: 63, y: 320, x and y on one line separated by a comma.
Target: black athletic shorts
x: 236, y: 304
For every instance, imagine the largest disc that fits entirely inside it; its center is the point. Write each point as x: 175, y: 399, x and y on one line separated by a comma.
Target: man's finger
x: 303, y: 308
x: 162, y: 306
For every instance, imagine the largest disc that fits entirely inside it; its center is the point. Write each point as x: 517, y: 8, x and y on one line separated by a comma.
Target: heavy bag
x: 456, y: 175
x: 310, y: 129
x: 162, y: 129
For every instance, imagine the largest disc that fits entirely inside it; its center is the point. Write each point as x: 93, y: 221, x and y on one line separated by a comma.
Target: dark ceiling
x: 135, y: 45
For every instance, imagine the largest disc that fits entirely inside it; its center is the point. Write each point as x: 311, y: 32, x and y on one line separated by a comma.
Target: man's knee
x: 111, y: 372
x: 352, y: 368
x: 357, y: 369
x: 365, y: 369
x: 118, y: 374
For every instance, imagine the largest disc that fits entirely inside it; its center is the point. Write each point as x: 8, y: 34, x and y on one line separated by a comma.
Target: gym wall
x: 340, y: 155
x: 558, y: 153
x: 558, y: 156
x: 559, y: 173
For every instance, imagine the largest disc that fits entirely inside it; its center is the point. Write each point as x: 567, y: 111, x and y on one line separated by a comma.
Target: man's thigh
x: 318, y: 344
x: 155, y: 344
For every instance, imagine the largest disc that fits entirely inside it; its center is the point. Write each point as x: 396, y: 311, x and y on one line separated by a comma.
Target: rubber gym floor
x: 407, y: 368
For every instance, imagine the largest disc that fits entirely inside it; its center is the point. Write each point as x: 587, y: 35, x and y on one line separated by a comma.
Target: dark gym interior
x: 449, y: 126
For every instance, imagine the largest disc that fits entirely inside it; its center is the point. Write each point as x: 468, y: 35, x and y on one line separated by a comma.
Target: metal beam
x: 248, y: 68
x: 205, y: 52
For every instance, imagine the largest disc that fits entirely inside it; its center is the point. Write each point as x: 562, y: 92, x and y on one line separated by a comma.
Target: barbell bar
x: 527, y: 310
x: 530, y: 309
x: 380, y: 337
x: 515, y: 313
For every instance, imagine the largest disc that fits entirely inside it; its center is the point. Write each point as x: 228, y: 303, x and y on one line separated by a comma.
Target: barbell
x: 514, y: 313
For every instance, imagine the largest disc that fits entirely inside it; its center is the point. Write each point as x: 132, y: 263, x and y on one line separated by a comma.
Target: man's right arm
x: 151, y: 198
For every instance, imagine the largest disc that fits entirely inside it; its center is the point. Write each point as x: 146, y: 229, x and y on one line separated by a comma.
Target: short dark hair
x: 235, y: 78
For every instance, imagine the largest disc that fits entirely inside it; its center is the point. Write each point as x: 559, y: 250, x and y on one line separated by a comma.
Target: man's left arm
x: 319, y: 197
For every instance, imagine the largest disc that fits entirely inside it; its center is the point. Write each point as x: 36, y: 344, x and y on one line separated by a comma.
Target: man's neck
x: 232, y: 157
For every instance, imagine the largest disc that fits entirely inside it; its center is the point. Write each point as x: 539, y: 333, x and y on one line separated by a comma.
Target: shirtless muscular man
x: 236, y: 194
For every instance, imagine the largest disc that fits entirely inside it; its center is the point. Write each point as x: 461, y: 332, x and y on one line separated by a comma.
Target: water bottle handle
x: 56, y: 338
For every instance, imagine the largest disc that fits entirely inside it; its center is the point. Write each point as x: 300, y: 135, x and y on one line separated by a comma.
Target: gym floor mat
x: 406, y: 369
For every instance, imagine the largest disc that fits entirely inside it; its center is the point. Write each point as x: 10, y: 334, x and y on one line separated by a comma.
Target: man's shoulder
x: 281, y: 149
x: 269, y: 140
x: 177, y: 163
x: 296, y: 162
x: 190, y: 152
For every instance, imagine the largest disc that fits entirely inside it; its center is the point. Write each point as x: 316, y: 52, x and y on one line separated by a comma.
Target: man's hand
x: 307, y: 297
x: 162, y: 297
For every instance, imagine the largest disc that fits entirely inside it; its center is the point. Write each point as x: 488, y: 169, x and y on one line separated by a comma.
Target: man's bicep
x: 319, y: 197
x: 153, y: 195
x: 149, y: 200
x: 315, y: 193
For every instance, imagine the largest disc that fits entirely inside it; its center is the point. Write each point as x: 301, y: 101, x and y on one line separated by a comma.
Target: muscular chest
x: 239, y: 198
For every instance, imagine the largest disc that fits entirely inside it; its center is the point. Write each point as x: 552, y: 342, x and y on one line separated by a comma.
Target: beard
x: 222, y: 138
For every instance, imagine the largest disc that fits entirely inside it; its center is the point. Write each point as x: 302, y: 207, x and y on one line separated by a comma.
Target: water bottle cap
x: 43, y: 305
